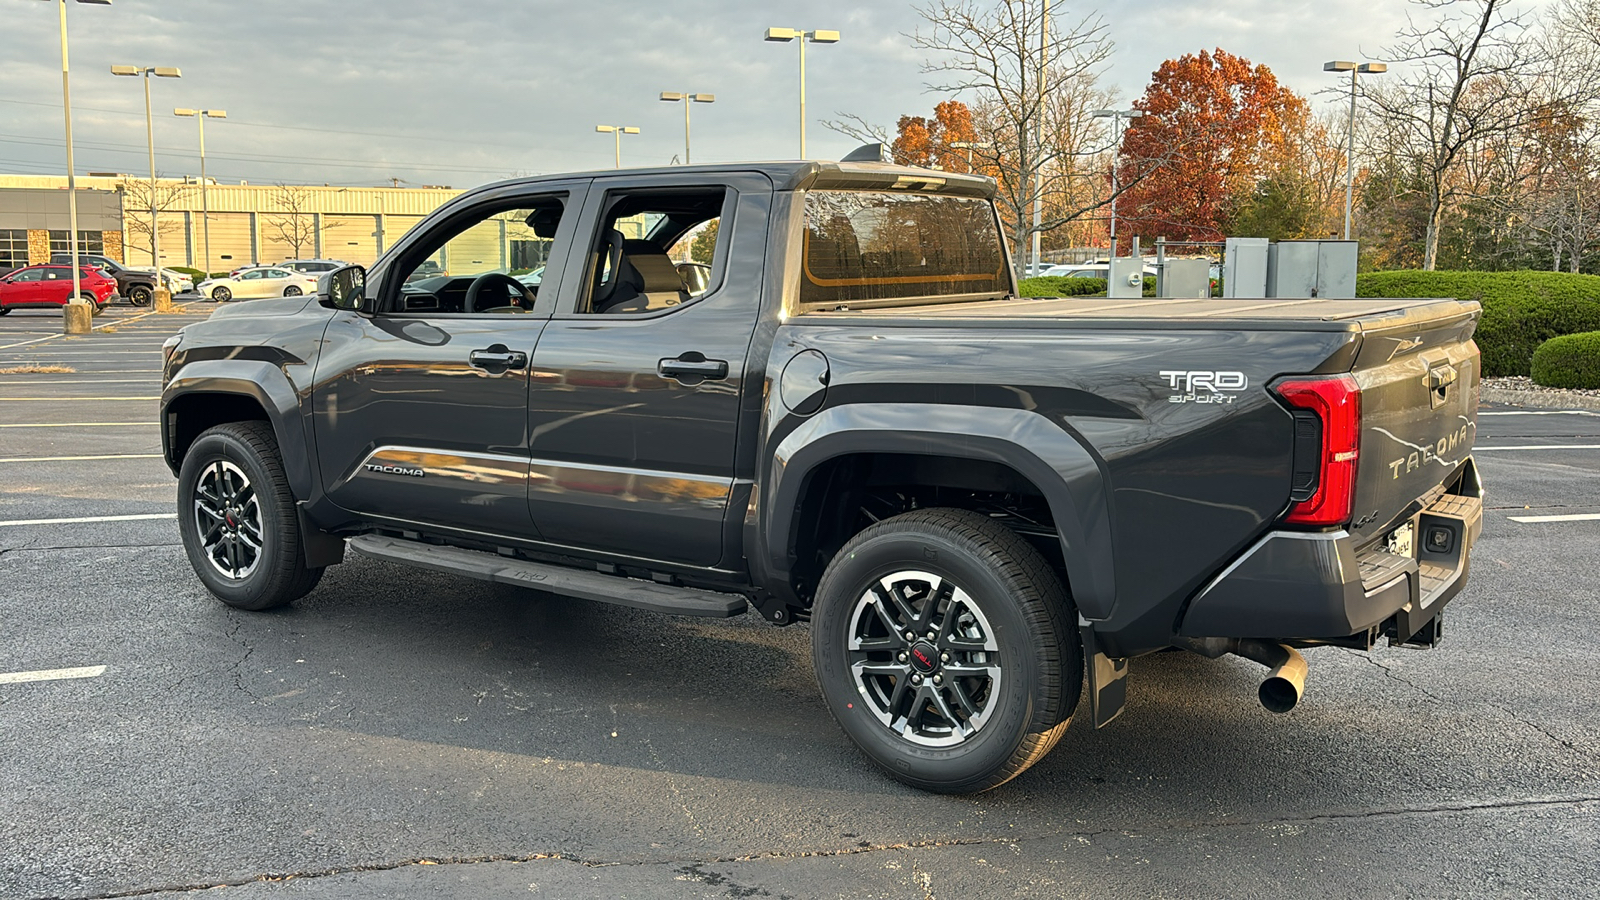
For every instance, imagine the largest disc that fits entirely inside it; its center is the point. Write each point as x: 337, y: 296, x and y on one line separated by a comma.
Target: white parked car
x: 254, y: 284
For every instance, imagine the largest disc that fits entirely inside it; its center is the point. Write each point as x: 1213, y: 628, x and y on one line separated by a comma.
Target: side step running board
x: 662, y: 598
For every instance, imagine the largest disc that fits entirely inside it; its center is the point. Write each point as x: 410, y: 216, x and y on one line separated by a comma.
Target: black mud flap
x: 1108, y: 686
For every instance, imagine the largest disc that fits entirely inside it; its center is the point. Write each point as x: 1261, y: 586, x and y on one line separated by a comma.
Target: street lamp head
x: 125, y: 70
x: 214, y: 113
x: 673, y: 96
x: 606, y: 129
x: 1136, y: 114
x: 184, y: 112
x: 824, y: 37
x: 1102, y: 113
x: 167, y: 72
x: 630, y: 130
x: 783, y: 34
x: 1372, y: 68
x: 1338, y: 65
x: 703, y: 98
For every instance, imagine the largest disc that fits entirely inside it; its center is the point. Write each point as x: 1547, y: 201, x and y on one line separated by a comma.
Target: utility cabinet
x: 1126, y: 277
x: 1325, y: 269
x: 1244, y: 267
x: 1186, y: 279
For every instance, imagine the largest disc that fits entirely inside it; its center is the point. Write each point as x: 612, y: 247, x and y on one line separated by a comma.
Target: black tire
x: 1022, y: 610
x: 140, y: 295
x: 274, y: 574
x: 292, y: 290
x: 221, y: 294
x: 95, y: 306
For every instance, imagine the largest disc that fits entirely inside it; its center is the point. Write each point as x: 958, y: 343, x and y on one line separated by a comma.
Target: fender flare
x: 268, y: 386
x: 1052, y: 458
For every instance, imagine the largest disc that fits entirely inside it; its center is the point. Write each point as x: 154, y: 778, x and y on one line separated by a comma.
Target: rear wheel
x: 140, y: 295
x: 238, y: 518
x: 944, y: 647
x: 292, y: 291
x: 95, y: 306
x: 221, y: 295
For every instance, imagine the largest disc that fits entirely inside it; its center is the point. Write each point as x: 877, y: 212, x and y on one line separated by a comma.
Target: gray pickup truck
x: 810, y: 388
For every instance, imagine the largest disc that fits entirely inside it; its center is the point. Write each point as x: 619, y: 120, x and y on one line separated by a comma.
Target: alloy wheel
x: 924, y: 658
x: 227, y: 516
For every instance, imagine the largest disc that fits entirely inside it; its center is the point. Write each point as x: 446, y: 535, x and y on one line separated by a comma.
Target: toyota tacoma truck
x: 811, y: 389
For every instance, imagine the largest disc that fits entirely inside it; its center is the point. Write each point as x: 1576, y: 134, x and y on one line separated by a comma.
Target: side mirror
x: 342, y: 288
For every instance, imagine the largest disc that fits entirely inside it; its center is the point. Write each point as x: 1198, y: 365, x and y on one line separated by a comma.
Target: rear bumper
x: 1296, y: 585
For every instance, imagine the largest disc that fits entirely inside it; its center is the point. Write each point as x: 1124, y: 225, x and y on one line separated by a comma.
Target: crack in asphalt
x: 238, y: 676
x: 693, y: 867
x: 4, y: 550
x: 1425, y: 692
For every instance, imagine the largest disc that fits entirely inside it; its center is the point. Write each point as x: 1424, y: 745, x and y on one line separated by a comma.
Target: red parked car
x: 46, y: 286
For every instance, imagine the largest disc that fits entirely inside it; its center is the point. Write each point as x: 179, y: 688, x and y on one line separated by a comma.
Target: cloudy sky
x: 460, y: 93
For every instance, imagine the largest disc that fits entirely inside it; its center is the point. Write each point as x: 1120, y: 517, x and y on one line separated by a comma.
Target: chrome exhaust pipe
x: 1286, y: 682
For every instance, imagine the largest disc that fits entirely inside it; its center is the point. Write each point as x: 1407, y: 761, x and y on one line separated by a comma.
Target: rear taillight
x: 1336, y: 404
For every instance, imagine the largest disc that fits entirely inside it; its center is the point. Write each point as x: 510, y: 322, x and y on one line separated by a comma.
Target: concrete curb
x: 1545, y: 399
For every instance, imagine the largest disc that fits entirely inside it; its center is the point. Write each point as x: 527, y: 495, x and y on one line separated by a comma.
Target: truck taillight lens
x: 1336, y: 402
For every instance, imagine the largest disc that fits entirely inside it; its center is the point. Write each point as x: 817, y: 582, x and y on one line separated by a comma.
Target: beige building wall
x: 348, y: 216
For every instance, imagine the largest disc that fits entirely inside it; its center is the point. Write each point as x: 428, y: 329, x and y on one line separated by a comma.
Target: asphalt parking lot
x: 407, y: 734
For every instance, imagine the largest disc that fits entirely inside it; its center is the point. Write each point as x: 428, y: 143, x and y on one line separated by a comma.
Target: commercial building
x: 246, y: 222
x: 34, y: 224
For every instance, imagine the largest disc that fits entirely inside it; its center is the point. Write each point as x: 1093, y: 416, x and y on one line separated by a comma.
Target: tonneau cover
x: 1279, y: 309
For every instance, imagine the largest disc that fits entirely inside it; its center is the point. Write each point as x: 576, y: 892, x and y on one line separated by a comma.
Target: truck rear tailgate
x: 1418, y: 371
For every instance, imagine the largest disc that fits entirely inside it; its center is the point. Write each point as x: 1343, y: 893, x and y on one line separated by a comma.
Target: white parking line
x: 37, y: 383
x: 29, y: 459
x: 84, y: 425
x: 65, y: 399
x: 89, y: 519
x: 1545, y: 447
x: 1541, y: 412
x: 1575, y: 517
x: 52, y: 674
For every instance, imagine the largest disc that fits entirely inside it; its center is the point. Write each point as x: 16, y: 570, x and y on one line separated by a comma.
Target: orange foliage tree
x: 925, y: 141
x: 1215, y: 124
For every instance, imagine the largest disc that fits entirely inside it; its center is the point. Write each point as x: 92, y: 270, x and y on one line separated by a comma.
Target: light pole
x: 150, y: 143
x: 200, y: 116
x: 1118, y: 117
x: 1340, y: 65
x: 75, y: 316
x: 970, y: 146
x: 619, y: 131
x: 816, y: 37
x: 686, y: 99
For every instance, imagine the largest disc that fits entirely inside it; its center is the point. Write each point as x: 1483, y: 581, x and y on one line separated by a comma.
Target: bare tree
x: 1027, y: 76
x: 136, y: 211
x: 1466, y: 76
x: 296, y: 225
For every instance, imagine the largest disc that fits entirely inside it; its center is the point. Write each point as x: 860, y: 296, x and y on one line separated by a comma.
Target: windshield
x: 867, y: 248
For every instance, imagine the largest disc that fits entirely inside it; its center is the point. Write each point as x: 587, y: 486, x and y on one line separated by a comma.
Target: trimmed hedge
x: 1568, y: 361
x: 1521, y: 310
x: 1062, y: 286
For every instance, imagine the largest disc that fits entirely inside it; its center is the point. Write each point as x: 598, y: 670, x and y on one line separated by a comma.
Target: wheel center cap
x: 924, y: 657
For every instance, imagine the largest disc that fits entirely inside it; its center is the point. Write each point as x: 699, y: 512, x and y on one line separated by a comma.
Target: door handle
x: 498, y: 356
x: 692, y: 368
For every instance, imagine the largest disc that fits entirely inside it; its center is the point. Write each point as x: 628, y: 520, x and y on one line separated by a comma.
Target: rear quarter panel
x: 1187, y: 480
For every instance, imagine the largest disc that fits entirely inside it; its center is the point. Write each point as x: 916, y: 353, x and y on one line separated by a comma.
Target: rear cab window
x: 877, y: 249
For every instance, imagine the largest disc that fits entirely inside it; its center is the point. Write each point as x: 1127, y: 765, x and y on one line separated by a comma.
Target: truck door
x: 636, y: 386
x: 421, y: 397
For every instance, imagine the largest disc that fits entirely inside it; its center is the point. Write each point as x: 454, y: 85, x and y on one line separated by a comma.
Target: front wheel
x: 221, y: 295
x: 238, y: 520
x: 292, y: 291
x: 943, y: 646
